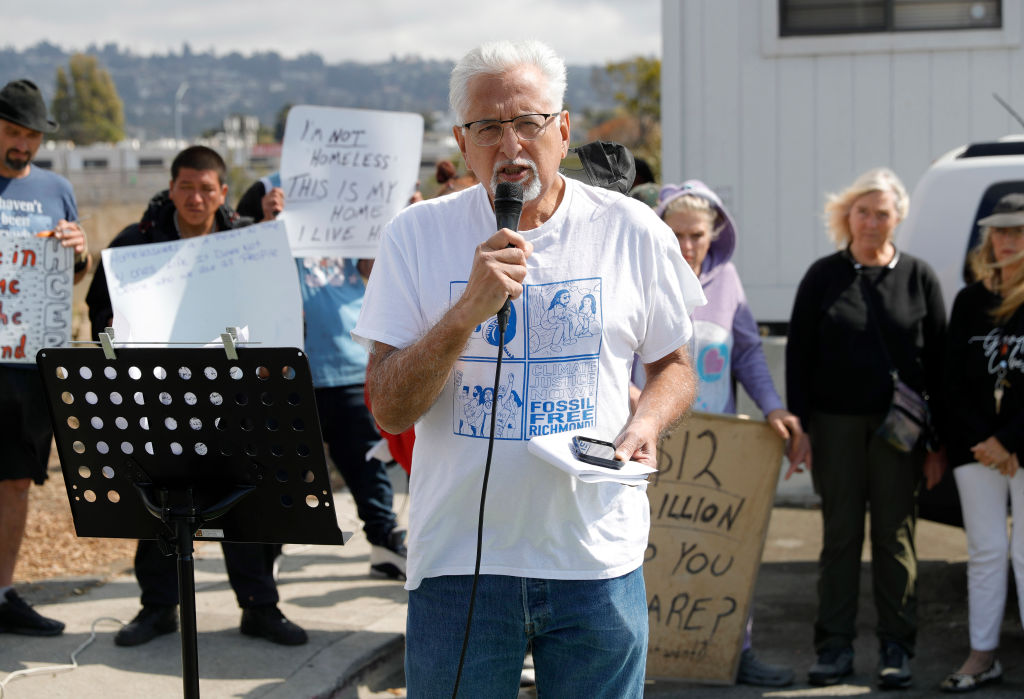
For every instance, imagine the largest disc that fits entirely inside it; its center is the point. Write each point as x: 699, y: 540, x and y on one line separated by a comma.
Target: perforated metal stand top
x: 191, y: 420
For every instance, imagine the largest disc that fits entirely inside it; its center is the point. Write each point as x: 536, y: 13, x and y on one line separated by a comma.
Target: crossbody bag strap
x: 872, y: 313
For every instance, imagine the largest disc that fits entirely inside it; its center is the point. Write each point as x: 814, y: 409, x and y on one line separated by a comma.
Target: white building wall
x: 774, y: 124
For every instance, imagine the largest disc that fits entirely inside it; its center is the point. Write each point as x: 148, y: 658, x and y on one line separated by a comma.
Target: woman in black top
x: 985, y: 384
x: 858, y: 314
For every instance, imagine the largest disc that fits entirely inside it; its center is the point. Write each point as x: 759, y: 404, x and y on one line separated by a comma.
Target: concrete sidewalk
x: 356, y: 628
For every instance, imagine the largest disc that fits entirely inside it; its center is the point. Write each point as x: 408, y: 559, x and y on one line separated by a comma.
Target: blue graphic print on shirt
x: 549, y: 364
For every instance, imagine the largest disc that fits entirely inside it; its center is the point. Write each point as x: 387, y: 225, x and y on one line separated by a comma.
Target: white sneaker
x: 388, y: 561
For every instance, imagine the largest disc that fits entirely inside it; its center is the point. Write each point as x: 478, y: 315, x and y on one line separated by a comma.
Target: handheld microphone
x: 508, y: 206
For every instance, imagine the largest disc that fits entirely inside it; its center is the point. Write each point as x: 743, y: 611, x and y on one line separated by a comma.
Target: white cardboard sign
x: 35, y: 296
x: 345, y: 173
x: 191, y: 290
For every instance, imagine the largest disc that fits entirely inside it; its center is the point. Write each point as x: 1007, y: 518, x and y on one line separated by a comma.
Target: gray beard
x: 532, y: 189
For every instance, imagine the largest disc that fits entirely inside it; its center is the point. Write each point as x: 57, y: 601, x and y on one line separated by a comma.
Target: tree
x: 86, y: 103
x: 635, y: 85
x: 279, y: 122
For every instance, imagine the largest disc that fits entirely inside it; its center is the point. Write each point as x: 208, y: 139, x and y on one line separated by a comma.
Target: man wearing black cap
x: 32, y: 201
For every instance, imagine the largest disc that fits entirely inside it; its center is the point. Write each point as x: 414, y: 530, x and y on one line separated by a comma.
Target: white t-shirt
x: 605, y: 280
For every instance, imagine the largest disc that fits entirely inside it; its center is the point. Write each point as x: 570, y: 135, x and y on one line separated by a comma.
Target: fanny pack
x: 908, y: 419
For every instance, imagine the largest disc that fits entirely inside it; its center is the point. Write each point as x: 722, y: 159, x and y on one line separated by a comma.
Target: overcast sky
x: 583, y: 31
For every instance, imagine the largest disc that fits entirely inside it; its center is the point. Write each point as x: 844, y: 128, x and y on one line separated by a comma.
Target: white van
x: 959, y: 188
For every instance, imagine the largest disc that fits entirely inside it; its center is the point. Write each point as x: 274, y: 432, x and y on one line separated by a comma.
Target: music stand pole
x: 184, y: 527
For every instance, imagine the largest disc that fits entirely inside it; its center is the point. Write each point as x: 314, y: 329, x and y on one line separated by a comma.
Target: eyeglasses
x: 487, y: 132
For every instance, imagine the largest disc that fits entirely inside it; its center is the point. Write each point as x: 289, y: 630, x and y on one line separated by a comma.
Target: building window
x: 151, y: 163
x: 95, y: 163
x: 811, y: 17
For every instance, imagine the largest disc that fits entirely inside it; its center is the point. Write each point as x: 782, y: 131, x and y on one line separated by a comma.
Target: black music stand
x: 180, y: 444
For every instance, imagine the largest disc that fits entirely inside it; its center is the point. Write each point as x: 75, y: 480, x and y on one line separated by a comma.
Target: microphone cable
x: 503, y: 315
x: 508, y: 206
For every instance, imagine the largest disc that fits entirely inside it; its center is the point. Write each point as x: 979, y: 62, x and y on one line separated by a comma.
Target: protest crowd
x: 594, y: 305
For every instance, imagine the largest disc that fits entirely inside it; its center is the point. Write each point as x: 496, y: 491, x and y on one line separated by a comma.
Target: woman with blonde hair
x: 863, y: 318
x: 984, y: 368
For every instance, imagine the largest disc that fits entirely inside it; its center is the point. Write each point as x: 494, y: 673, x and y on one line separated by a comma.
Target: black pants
x: 348, y: 429
x: 854, y: 467
x: 250, y: 571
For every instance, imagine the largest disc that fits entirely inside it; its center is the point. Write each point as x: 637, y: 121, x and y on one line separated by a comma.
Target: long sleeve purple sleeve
x: 749, y: 364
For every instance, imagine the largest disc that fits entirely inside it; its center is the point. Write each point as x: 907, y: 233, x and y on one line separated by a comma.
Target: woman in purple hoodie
x: 727, y: 345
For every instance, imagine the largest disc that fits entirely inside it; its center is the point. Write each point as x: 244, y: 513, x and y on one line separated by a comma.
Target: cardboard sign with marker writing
x: 36, y: 277
x: 345, y: 173
x: 710, y: 505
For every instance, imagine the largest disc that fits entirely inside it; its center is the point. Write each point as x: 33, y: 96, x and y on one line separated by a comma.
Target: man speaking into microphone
x: 593, y: 277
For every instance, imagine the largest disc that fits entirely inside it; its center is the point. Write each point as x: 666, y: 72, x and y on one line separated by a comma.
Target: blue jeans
x: 349, y: 431
x: 589, y: 636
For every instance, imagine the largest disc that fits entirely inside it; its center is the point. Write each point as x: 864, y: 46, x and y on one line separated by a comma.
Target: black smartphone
x: 596, y: 452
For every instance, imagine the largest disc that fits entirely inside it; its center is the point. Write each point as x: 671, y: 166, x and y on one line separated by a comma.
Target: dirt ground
x: 51, y: 549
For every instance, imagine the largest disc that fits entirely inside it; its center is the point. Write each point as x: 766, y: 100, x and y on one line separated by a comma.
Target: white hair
x: 499, y: 57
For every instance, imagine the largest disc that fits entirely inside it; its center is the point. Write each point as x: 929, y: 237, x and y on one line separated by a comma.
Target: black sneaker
x: 388, y: 560
x: 152, y: 620
x: 833, y: 664
x: 760, y: 674
x: 17, y: 616
x: 893, y: 666
x: 268, y: 622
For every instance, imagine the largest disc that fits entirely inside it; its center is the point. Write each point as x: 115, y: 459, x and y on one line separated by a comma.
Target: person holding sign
x: 332, y: 294
x: 560, y: 563
x: 865, y: 318
x: 193, y: 205
x: 726, y: 348
x: 33, y: 202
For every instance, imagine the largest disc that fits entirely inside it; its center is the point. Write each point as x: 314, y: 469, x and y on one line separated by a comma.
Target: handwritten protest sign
x: 345, y: 173
x: 190, y: 290
x: 710, y: 507
x: 35, y: 296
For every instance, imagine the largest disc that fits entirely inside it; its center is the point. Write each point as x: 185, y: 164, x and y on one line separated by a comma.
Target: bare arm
x: 668, y: 393
x: 404, y: 383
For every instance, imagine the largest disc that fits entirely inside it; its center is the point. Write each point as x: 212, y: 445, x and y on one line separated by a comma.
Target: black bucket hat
x: 602, y: 164
x: 1007, y: 213
x: 21, y: 103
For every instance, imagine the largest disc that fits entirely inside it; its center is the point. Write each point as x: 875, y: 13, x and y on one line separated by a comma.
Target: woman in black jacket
x: 859, y: 314
x: 985, y: 384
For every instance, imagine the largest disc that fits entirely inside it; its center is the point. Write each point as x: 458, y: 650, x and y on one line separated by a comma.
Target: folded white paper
x: 556, y: 449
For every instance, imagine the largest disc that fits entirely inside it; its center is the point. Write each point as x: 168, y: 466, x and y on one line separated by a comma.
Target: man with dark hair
x: 193, y: 205
x: 32, y: 200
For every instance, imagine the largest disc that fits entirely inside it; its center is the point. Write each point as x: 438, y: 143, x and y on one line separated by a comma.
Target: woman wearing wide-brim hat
x: 985, y: 433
